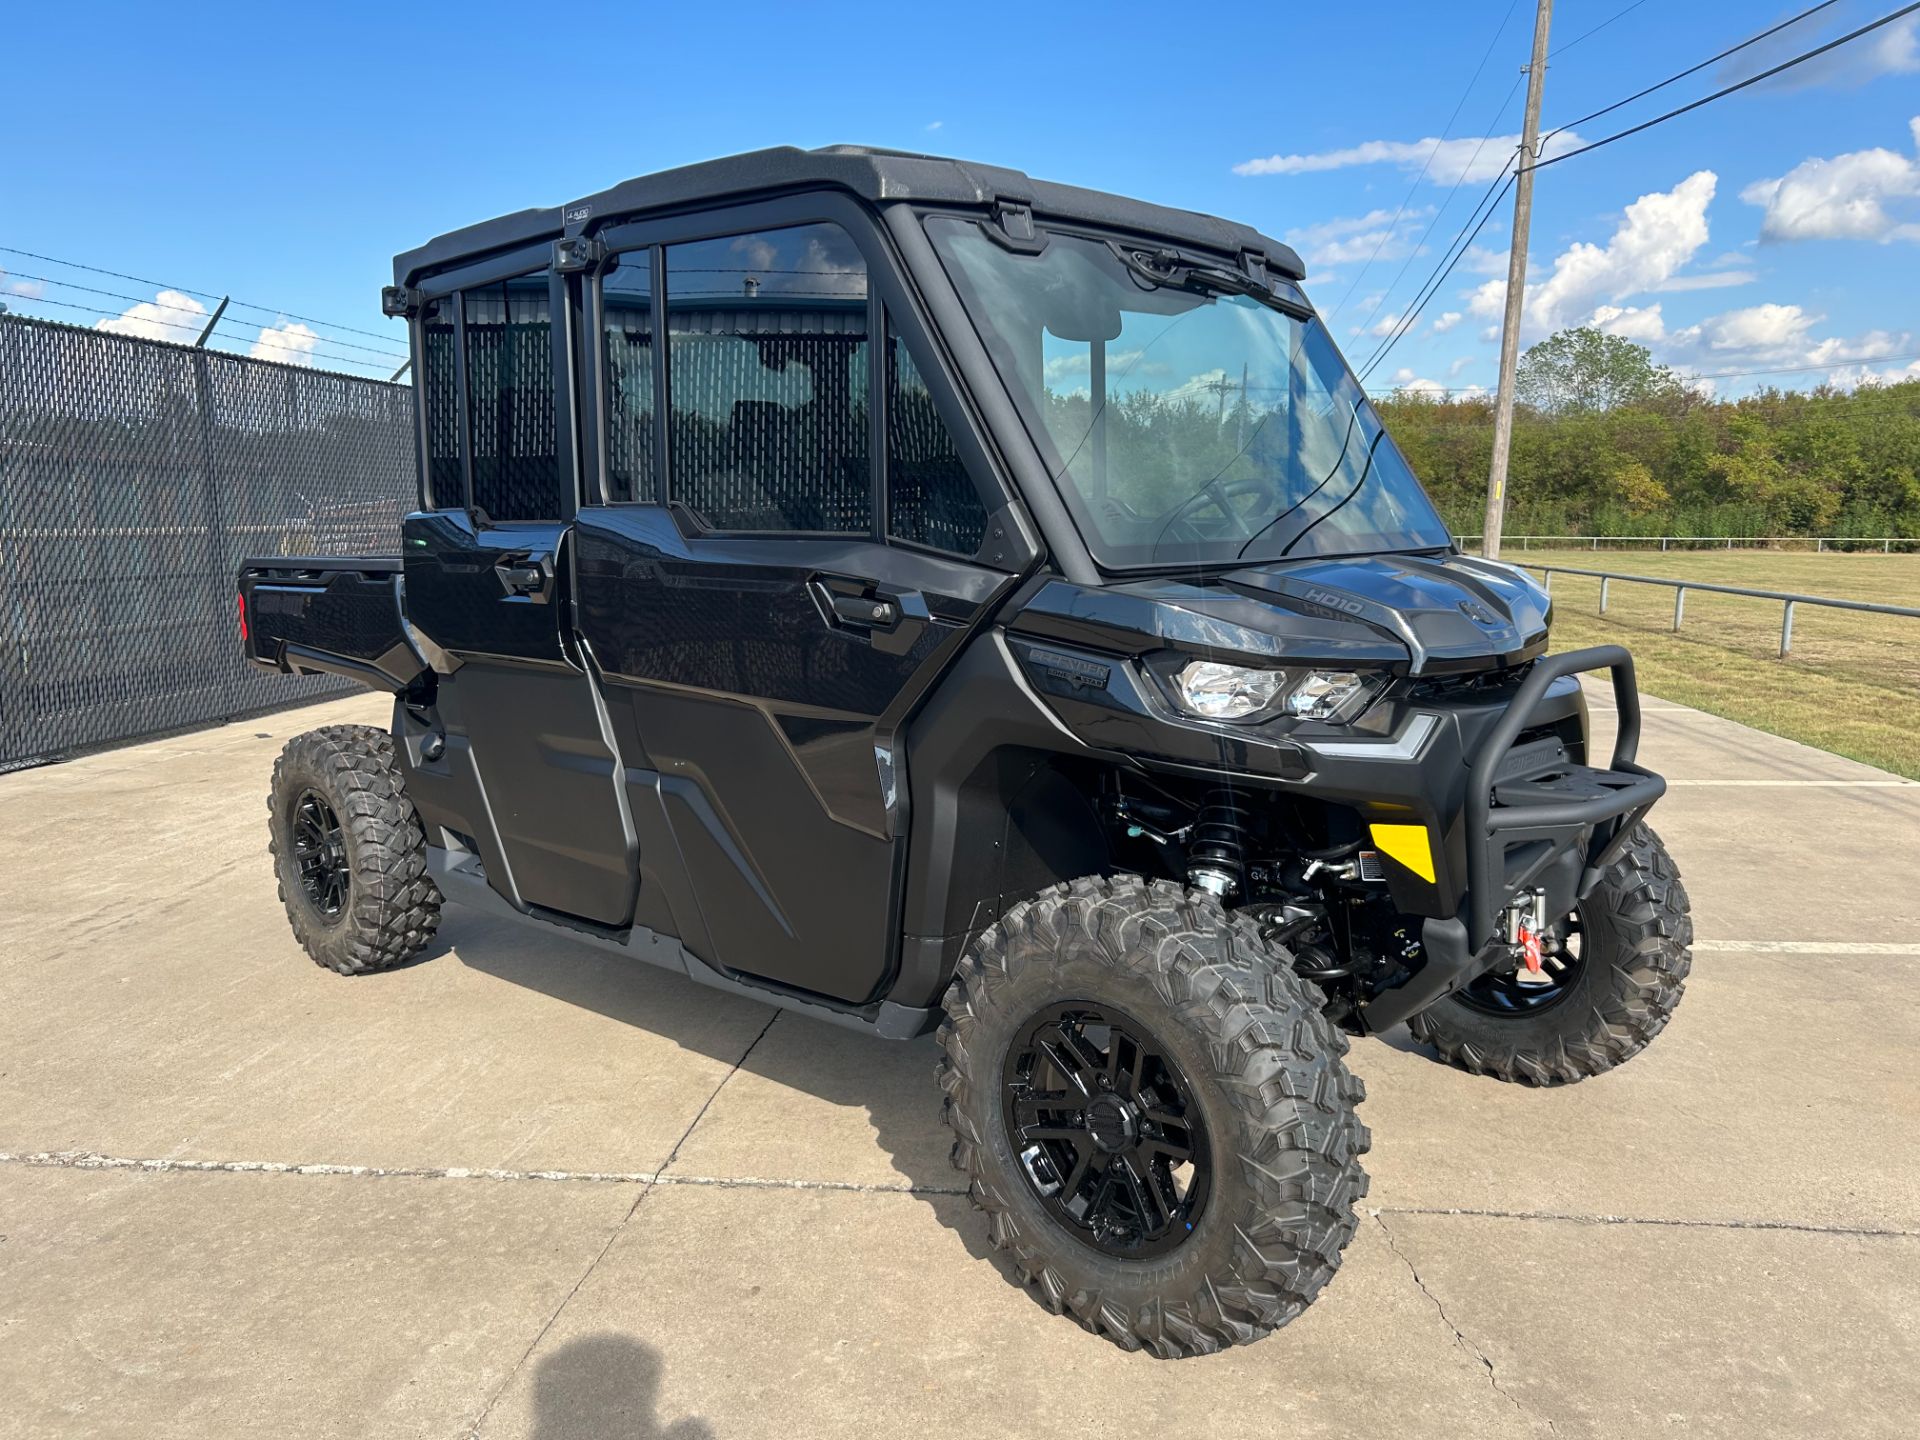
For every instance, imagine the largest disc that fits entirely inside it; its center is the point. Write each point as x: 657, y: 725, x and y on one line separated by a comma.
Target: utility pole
x: 1516, y: 286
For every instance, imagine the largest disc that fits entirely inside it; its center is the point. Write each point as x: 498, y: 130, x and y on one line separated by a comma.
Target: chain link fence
x: 134, y: 478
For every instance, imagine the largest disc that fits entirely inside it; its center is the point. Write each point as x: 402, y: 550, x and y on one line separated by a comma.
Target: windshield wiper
x: 1172, y: 270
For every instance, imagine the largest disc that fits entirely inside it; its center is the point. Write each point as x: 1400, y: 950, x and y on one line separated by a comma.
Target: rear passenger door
x: 793, y: 534
x: 528, y: 767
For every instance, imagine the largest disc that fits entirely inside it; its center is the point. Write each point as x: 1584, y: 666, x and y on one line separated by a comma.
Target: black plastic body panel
x: 338, y: 614
x: 772, y: 724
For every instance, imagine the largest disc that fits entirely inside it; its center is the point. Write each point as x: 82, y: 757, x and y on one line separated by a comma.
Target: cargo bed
x: 329, y: 614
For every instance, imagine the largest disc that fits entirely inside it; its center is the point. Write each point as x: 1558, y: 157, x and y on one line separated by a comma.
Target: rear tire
x: 349, y: 851
x: 1237, y: 1035
x: 1635, y: 939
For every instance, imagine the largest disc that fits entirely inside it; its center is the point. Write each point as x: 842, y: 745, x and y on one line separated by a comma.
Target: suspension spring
x: 1217, y: 853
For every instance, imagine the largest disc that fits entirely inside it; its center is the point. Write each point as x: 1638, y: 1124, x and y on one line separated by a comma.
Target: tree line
x: 1607, y: 442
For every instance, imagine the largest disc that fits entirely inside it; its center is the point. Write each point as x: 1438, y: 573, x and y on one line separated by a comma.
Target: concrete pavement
x: 551, y: 1193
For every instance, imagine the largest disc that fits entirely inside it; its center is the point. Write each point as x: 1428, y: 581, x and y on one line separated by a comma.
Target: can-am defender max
x: 921, y: 596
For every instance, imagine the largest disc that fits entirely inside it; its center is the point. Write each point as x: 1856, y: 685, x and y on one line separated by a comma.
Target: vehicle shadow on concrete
x: 604, y: 1387
x: 892, y: 1081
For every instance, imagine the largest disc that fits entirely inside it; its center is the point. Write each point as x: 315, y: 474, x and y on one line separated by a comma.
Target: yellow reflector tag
x: 1408, y: 844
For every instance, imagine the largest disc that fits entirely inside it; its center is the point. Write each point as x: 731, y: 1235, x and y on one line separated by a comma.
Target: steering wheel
x: 1219, y: 495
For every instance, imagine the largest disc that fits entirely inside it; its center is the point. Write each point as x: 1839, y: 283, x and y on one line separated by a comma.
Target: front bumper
x: 1532, y: 821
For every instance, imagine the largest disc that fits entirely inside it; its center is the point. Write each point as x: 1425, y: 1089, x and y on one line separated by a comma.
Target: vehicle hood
x: 1427, y: 614
x: 1450, y: 611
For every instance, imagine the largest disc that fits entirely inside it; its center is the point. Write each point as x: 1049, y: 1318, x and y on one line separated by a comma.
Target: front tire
x: 1191, y: 1037
x: 1635, y: 935
x: 349, y: 851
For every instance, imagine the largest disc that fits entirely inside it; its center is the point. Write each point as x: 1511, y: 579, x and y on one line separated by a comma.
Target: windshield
x: 1186, y: 425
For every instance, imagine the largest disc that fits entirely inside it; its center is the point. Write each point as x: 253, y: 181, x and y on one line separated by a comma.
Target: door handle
x: 525, y: 577
x: 860, y: 610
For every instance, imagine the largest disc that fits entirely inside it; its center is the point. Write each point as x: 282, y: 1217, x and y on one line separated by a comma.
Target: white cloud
x: 1481, y: 261
x: 1658, y: 234
x: 1850, y: 377
x: 1379, y: 234
x: 1468, y: 159
x: 170, y: 315
x: 1843, y: 198
x: 1707, y: 280
x: 1447, y: 321
x: 1405, y: 382
x: 935, y: 124
x: 291, y: 344
x: 1781, y: 337
x: 1456, y: 366
x: 1631, y: 322
x: 25, y: 289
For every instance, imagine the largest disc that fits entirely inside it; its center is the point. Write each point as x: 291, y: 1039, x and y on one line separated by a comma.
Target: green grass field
x: 1851, y: 685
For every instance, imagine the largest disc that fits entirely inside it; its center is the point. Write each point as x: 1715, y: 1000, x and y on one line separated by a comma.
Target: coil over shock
x: 1217, y: 852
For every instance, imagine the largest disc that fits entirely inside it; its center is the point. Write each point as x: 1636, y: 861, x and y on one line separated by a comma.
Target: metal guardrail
x: 1709, y: 542
x: 1788, y: 599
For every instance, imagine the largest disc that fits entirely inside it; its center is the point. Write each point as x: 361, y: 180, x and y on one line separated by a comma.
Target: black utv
x: 921, y: 596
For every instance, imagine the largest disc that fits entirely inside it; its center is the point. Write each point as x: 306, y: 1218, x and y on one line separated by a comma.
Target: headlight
x: 1226, y: 692
x: 1213, y: 690
x: 1329, y: 695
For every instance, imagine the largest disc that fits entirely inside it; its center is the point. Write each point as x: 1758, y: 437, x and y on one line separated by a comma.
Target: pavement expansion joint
x: 93, y: 1160
x: 646, y: 1179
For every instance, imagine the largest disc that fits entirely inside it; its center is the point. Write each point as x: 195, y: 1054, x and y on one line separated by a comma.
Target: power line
x: 193, y: 310
x: 1426, y: 165
x: 1585, y: 34
x: 1490, y: 202
x: 1721, y: 94
x: 202, y: 294
x: 1695, y: 69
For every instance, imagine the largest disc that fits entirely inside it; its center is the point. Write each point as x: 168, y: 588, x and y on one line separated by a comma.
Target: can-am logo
x: 1478, y: 613
x: 1333, y: 600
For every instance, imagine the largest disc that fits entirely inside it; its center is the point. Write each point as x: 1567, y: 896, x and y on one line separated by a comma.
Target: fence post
x: 1729, y: 542
x: 1663, y: 544
x: 1595, y: 547
x: 1679, y: 605
x: 1820, y: 545
x: 1886, y: 547
x: 1786, y: 630
x: 1605, y: 580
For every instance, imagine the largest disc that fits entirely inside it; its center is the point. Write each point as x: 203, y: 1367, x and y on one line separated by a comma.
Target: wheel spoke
x: 1176, y: 1153
x: 1066, y: 1060
x: 1154, y: 1213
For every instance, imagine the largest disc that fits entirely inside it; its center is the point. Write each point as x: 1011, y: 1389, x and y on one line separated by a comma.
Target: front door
x: 772, y: 612
x: 485, y: 572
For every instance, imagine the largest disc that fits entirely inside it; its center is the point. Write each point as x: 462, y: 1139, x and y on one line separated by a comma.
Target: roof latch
x: 1011, y: 227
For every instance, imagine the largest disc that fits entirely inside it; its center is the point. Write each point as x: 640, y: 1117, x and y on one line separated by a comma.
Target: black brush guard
x: 1533, y: 821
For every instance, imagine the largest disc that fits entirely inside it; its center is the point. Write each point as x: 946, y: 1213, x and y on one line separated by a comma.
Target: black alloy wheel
x: 1500, y: 992
x: 320, y: 852
x: 1107, y: 1130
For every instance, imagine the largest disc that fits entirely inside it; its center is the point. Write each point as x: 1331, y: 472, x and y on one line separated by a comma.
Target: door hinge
x: 577, y: 253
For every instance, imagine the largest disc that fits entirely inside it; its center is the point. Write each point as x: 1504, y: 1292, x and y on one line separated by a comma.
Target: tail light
x: 243, y: 617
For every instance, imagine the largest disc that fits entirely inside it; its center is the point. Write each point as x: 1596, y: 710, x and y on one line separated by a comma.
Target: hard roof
x: 877, y: 176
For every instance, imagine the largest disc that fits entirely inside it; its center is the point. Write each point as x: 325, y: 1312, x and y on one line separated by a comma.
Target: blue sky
x: 282, y: 154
